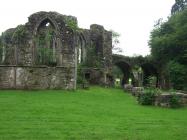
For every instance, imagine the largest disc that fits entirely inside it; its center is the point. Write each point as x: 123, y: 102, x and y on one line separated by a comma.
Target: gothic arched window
x: 45, y: 41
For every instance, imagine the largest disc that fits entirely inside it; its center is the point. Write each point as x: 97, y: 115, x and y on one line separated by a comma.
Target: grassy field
x: 95, y: 114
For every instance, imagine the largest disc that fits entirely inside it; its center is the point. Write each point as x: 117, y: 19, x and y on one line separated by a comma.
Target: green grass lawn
x: 95, y: 114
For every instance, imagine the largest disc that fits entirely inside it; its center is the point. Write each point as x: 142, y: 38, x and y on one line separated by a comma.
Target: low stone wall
x: 137, y: 91
x: 14, y: 77
x: 128, y: 87
x: 184, y: 99
x: 162, y: 99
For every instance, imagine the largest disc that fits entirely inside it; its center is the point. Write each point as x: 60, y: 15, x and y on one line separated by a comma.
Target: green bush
x: 178, y: 75
x: 152, y: 81
x: 174, y: 101
x: 147, y: 98
x: 81, y: 81
x: 1, y: 52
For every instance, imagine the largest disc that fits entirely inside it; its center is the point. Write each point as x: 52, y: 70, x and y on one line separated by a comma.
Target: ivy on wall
x: 92, y: 59
x: 19, y: 35
x: 72, y: 24
x: 44, y: 45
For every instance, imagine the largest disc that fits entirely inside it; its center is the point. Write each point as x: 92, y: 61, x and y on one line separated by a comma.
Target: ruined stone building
x: 50, y: 51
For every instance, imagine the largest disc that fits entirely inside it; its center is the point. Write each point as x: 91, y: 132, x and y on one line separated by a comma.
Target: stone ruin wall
x: 19, y: 68
x: 101, y: 39
x: 17, y: 77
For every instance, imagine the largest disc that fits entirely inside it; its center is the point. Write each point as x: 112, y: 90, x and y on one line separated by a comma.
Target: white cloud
x: 132, y: 19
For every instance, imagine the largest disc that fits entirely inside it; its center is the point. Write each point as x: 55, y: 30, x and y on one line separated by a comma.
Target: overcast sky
x: 133, y: 19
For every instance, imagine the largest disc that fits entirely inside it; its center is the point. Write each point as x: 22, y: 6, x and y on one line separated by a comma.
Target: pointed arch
x: 46, y: 42
x: 126, y: 69
x: 81, y: 48
x: 43, y: 22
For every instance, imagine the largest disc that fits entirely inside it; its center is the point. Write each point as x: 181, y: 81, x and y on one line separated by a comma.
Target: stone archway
x: 44, y: 21
x: 127, y: 72
x: 141, y: 69
x: 81, y: 50
x: 149, y: 71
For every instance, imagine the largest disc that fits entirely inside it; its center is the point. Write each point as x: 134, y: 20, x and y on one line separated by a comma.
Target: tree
x: 179, y: 5
x: 1, y: 48
x: 178, y: 75
x: 168, y: 44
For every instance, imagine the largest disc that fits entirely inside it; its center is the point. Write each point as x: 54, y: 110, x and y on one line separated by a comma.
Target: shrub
x: 147, y: 98
x: 81, y: 81
x: 178, y: 75
x: 152, y: 81
x: 174, y: 101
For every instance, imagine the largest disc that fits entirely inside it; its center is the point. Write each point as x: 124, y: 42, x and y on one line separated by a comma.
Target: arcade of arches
x: 139, y: 71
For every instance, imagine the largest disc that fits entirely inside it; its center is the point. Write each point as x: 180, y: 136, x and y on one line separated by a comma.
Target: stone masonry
x: 45, y: 52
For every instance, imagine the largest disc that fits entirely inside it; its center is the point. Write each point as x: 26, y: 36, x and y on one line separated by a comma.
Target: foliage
x: 1, y: 49
x: 178, y: 75
x: 85, y: 84
x: 1, y: 41
x: 7, y: 51
x: 45, y: 56
x: 147, y: 98
x: 81, y: 81
x: 20, y: 34
x: 151, y: 81
x: 174, y: 101
x: 179, y: 5
x: 168, y: 43
x: 7, y: 36
x: 92, y: 59
x: 44, y: 43
x: 71, y: 23
x: 117, y: 72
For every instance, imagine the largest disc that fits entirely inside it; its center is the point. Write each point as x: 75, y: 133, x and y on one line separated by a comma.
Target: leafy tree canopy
x: 168, y: 42
x: 179, y: 5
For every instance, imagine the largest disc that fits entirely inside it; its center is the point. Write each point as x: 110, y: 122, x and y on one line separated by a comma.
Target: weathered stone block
x: 165, y: 100
x: 128, y: 87
x: 137, y: 90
